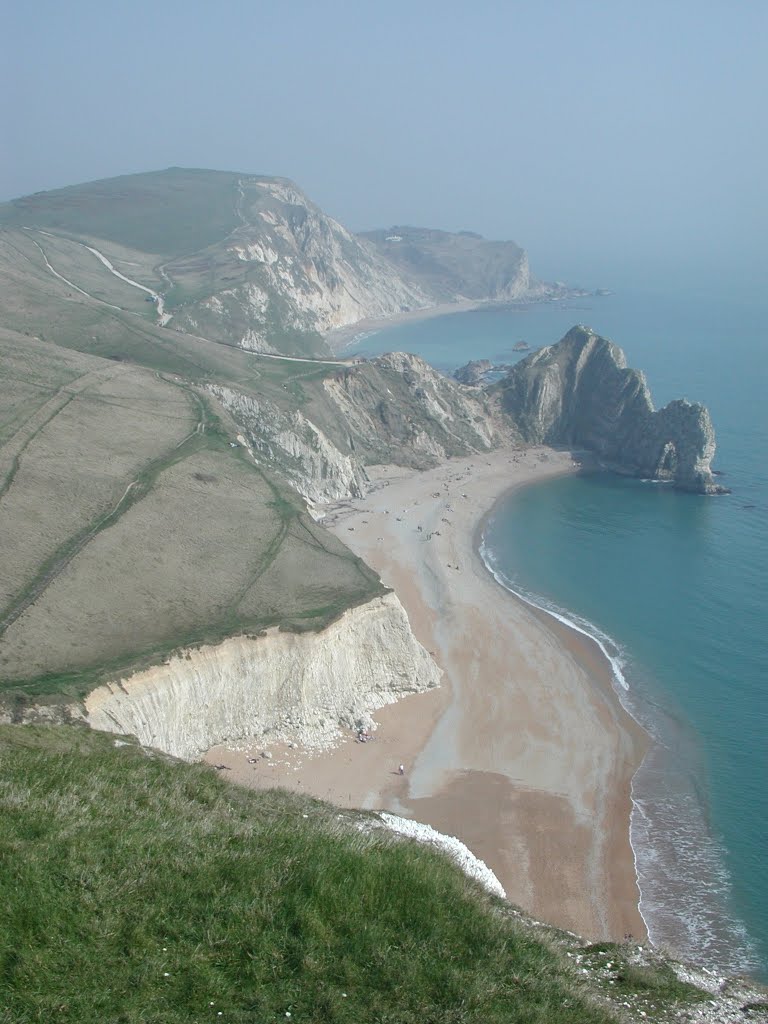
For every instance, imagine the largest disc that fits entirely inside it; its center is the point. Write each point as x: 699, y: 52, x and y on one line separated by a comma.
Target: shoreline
x: 342, y: 338
x: 532, y: 767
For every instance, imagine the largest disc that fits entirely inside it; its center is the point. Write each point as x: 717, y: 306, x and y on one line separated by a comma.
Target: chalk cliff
x: 455, y: 267
x: 280, y: 686
x: 292, y: 445
x: 393, y: 409
x: 580, y: 393
x: 286, y: 275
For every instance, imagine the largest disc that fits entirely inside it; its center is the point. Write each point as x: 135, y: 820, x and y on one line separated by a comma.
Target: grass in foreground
x: 134, y: 888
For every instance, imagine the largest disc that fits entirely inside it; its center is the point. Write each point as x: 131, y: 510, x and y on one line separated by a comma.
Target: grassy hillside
x: 168, y: 213
x: 137, y: 889
x: 170, y: 231
x: 137, y: 528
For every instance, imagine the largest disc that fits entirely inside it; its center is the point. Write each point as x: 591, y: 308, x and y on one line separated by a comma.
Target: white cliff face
x: 297, y: 271
x: 295, y: 445
x: 279, y: 687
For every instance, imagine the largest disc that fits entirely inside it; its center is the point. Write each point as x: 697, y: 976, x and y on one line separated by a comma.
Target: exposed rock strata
x: 289, y: 272
x: 292, y: 444
x: 473, y: 372
x: 397, y: 408
x: 393, y: 409
x: 280, y: 686
x: 580, y: 393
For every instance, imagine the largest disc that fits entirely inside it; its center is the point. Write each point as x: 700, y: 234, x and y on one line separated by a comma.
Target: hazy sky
x: 608, y: 138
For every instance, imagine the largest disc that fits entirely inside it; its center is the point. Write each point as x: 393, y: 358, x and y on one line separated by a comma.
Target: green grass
x: 169, y: 212
x: 138, y: 889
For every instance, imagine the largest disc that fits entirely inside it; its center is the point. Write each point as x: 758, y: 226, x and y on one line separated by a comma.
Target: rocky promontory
x: 580, y: 393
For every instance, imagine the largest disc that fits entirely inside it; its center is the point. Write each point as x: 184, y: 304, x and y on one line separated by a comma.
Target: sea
x: 673, y: 585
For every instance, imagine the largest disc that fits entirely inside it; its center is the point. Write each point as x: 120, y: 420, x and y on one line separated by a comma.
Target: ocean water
x: 676, y: 588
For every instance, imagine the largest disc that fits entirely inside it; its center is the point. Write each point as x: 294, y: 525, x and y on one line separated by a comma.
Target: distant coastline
x: 341, y: 339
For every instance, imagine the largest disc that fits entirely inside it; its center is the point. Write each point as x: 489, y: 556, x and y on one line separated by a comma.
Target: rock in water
x: 473, y: 371
x: 580, y: 393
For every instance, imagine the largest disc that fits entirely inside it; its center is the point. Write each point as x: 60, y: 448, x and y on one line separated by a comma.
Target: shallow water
x: 677, y: 587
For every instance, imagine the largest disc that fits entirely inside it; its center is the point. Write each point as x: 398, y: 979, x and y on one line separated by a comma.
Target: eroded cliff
x: 393, y: 409
x: 280, y: 686
x: 580, y: 393
x: 286, y: 275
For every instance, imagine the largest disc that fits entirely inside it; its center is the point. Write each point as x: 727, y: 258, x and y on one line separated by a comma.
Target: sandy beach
x: 343, y: 338
x: 524, y: 752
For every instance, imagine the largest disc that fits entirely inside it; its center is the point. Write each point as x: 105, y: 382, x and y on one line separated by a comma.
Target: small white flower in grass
x: 166, y: 974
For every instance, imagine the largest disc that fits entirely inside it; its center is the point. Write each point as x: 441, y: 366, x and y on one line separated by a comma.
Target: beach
x: 342, y: 338
x: 525, y: 752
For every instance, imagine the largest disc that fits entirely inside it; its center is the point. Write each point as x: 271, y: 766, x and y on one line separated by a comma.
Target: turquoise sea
x: 676, y: 588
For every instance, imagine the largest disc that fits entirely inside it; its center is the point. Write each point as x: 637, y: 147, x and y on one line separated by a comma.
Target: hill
x: 137, y: 888
x: 246, y: 260
x: 123, y: 490
x: 456, y: 267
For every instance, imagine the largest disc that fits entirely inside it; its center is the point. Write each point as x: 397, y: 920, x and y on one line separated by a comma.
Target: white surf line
x: 162, y: 316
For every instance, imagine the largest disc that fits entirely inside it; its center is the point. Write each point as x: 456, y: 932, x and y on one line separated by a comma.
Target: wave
x: 681, y: 872
x: 613, y: 652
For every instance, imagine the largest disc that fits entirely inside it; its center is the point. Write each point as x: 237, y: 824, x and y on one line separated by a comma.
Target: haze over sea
x: 674, y: 585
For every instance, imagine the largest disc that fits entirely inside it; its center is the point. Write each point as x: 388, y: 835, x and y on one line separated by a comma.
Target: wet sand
x: 525, y: 752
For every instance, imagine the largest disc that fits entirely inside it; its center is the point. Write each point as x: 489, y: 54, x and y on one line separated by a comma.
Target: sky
x: 610, y: 139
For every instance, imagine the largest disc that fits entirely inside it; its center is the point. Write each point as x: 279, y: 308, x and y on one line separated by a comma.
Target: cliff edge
x: 280, y: 686
x: 580, y: 393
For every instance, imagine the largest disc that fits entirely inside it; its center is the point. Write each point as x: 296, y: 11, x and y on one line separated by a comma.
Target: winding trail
x: 299, y: 359
x: 162, y: 316
x: 67, y: 282
x: 44, y: 579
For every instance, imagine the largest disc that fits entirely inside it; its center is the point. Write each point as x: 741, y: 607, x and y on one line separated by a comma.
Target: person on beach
x: 401, y: 770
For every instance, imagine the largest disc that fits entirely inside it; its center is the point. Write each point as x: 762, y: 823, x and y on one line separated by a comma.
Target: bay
x: 676, y: 585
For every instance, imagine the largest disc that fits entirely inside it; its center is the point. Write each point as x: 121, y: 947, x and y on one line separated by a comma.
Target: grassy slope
x: 202, y: 545
x: 169, y: 212
x: 150, y: 220
x: 137, y: 889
